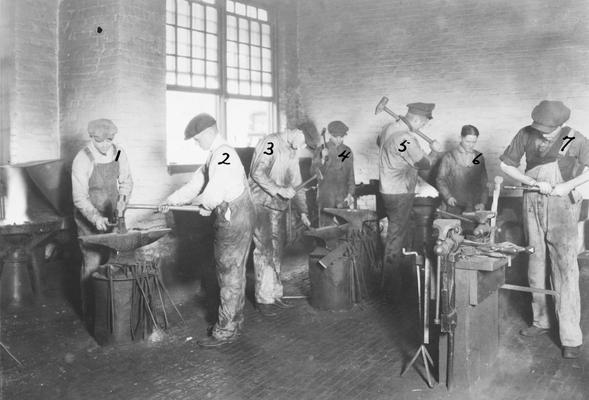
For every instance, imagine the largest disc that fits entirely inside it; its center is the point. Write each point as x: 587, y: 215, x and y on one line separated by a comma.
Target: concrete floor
x: 301, y: 354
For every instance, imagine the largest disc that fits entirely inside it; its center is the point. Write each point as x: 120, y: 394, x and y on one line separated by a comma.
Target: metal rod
x: 525, y: 188
x: 454, y: 215
x: 156, y: 207
x: 518, y: 288
x: 426, y: 283
x: 438, y: 277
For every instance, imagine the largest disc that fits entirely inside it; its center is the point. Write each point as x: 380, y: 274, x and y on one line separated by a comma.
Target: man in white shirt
x: 220, y: 186
x: 101, y: 186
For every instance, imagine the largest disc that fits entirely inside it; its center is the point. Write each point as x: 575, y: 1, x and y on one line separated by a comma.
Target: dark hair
x: 469, y: 130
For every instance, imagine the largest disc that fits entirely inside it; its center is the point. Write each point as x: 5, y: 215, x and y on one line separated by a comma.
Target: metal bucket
x: 120, y: 314
x: 330, y: 287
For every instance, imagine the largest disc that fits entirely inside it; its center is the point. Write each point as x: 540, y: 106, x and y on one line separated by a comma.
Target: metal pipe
x: 438, y: 278
x: 156, y: 207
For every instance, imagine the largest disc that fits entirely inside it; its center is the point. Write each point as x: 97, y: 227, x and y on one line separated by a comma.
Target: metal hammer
x: 382, y: 106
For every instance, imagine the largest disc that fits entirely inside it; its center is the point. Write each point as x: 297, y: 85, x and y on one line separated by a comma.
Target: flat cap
x: 424, y: 109
x: 549, y: 115
x: 102, y: 128
x: 198, y: 124
x: 337, y: 128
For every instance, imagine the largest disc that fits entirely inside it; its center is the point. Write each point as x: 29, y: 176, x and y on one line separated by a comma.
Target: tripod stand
x: 423, y: 314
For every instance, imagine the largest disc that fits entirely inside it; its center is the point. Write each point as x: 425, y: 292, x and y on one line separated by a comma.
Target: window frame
x: 222, y: 93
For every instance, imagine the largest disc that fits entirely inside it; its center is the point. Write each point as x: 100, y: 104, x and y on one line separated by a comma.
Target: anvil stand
x: 423, y: 315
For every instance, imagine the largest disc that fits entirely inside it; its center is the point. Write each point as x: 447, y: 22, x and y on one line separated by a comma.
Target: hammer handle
x: 526, y: 188
x: 172, y: 208
x: 416, y: 131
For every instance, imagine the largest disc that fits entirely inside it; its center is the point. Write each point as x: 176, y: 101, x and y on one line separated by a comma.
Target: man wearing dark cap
x: 220, y: 186
x: 556, y: 156
x: 101, y: 186
x: 399, y: 160
x: 274, y: 174
x: 334, y: 165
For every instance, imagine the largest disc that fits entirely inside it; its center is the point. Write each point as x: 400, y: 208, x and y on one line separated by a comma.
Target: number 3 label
x: 270, y: 147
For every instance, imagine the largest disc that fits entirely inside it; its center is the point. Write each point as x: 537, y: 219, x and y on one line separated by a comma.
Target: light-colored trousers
x: 551, y: 225
x: 269, y: 237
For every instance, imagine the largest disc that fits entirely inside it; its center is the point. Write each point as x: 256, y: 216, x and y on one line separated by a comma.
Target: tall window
x: 219, y: 58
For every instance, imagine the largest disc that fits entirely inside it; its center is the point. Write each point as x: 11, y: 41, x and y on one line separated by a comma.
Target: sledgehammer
x: 382, y: 106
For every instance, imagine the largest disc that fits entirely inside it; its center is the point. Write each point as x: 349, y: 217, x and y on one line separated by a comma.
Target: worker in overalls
x: 334, y: 165
x: 220, y: 186
x: 274, y: 175
x: 101, y: 186
x: 555, y: 158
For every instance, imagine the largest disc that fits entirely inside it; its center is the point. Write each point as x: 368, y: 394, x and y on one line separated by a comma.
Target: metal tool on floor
x: 423, y: 305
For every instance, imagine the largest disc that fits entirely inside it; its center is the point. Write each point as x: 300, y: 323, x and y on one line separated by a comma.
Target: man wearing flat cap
x: 399, y: 160
x: 556, y: 156
x: 334, y: 165
x: 274, y: 175
x: 101, y: 186
x: 220, y: 187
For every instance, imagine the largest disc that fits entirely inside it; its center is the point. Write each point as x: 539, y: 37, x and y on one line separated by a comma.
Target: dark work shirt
x: 531, y: 143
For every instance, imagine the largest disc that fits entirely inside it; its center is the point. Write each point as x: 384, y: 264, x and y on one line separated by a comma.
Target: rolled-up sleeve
x: 190, y: 190
x: 515, y: 151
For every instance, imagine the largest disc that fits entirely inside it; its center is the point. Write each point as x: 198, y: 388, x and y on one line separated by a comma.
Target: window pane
x: 211, y: 20
x: 262, y: 14
x: 266, y: 60
x: 255, y: 33
x: 239, y: 8
x: 198, y: 81
x: 170, y: 40
x: 211, y: 47
x: 256, y: 89
x: 212, y: 83
x: 244, y: 33
x: 232, y: 86
x: 171, y: 11
x: 171, y: 63
x: 211, y: 69
x: 181, y: 108
x: 231, y: 28
x: 244, y: 75
x: 230, y: 6
x: 266, y: 90
x: 198, y: 45
x: 184, y: 64
x: 183, y: 79
x: 266, y: 36
x: 198, y: 17
x: 183, y: 42
x: 232, y: 73
x: 250, y: 121
x: 256, y: 58
x: 209, y: 1
x: 183, y: 13
x: 252, y: 12
x: 198, y: 67
x: 244, y: 56
x: 232, y: 54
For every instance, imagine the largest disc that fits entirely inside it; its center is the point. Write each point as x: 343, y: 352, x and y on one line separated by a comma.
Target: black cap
x: 337, y: 128
x: 198, y: 124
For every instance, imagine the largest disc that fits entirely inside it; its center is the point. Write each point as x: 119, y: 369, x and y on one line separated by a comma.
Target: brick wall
x: 29, y: 81
x: 482, y: 63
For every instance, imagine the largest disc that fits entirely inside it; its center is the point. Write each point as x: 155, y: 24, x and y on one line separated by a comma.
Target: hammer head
x: 381, y: 105
x: 444, y: 226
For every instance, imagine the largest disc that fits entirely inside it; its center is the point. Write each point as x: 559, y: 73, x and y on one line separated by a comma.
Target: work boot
x: 267, y: 310
x: 282, y: 304
x: 211, y: 341
x: 571, y: 352
x: 533, y: 331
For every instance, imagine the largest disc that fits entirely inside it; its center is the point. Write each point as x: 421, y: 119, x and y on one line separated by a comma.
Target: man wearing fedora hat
x: 399, y: 160
x: 334, y: 165
x: 555, y: 158
x: 220, y: 187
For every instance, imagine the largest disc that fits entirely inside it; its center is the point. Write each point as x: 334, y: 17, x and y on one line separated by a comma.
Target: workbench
x: 477, y: 281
